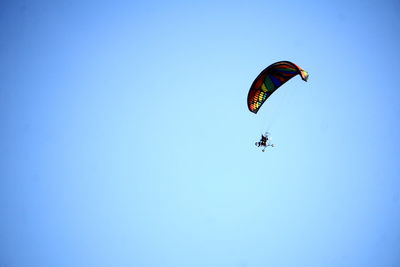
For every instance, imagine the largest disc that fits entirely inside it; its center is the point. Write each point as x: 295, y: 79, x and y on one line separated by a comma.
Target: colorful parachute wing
x: 271, y: 79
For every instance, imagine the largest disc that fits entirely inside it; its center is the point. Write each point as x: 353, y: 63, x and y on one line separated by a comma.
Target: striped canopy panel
x: 271, y: 79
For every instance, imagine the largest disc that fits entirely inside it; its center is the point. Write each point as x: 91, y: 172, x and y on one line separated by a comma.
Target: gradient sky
x: 126, y: 139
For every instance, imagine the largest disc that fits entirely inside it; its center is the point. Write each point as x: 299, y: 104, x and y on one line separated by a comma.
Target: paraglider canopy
x: 270, y: 79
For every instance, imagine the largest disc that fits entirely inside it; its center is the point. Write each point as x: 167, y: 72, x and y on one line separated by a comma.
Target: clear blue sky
x: 126, y: 139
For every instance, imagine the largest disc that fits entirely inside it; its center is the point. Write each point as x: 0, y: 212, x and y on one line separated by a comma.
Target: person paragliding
x: 267, y: 82
x: 264, y: 142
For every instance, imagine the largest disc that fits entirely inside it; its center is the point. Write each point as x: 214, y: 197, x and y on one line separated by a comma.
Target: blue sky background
x: 126, y: 139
